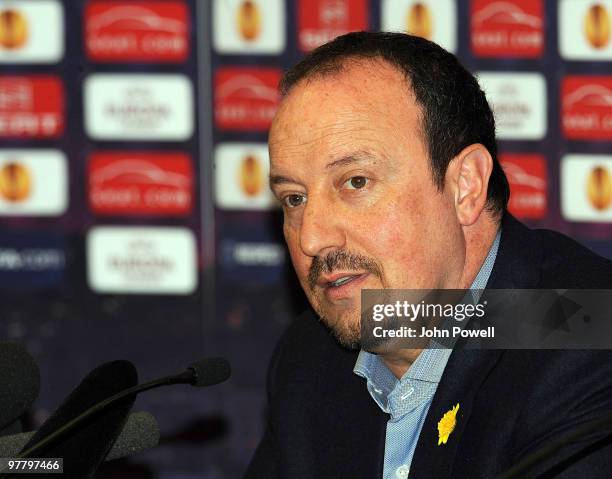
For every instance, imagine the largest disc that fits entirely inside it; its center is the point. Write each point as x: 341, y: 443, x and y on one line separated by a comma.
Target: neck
x: 479, y: 238
x: 398, y: 362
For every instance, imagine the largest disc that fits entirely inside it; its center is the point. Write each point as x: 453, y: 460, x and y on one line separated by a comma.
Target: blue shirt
x: 407, y: 400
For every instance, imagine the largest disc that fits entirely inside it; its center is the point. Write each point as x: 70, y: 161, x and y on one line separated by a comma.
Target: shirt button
x: 408, y: 394
x: 402, y: 472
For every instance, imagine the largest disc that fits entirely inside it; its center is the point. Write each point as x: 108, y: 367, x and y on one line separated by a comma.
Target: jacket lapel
x: 350, y: 439
x: 517, y: 265
x: 464, y: 373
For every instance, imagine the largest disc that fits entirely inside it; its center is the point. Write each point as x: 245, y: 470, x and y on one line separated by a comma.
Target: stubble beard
x: 345, y: 325
x: 343, y: 322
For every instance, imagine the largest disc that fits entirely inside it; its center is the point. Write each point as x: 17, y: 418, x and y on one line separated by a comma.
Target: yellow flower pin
x: 447, y: 424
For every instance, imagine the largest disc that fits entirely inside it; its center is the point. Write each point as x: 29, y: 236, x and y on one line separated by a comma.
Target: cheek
x: 406, y: 238
x: 300, y: 261
x: 402, y: 223
x: 399, y: 244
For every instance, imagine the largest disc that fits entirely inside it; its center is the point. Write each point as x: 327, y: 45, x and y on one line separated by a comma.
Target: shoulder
x: 305, y: 337
x: 540, y: 396
x: 563, y: 257
x: 308, y: 352
x: 541, y: 258
x: 559, y: 389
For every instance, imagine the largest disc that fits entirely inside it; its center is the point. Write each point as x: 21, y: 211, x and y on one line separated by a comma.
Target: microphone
x: 141, y: 432
x: 85, y: 449
x: 19, y: 381
x: 206, y: 372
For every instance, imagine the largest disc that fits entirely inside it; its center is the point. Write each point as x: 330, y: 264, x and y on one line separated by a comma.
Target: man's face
x: 361, y: 210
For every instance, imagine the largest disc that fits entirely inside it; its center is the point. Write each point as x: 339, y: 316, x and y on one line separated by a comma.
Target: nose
x: 320, y: 230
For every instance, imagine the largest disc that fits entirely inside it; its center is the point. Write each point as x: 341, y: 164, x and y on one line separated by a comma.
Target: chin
x: 345, y: 328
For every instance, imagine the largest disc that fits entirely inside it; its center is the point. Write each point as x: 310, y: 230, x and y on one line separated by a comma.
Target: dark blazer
x: 323, y: 423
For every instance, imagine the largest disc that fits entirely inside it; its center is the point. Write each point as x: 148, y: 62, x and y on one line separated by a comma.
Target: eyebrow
x: 280, y: 179
x: 350, y: 159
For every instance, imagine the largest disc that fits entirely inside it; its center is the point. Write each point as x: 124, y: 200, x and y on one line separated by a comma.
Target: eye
x: 292, y: 201
x: 357, y: 182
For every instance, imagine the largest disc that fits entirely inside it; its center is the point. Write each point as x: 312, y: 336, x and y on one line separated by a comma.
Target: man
x: 383, y: 156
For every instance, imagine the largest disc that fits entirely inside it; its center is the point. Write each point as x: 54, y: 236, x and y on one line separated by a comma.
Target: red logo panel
x: 31, y: 107
x: 586, y: 107
x: 320, y: 21
x: 140, y: 183
x: 246, y: 98
x: 136, y: 31
x: 528, y: 185
x: 507, y: 28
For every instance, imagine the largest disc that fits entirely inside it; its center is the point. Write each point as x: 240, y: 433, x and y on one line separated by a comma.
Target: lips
x: 337, y: 279
x: 341, y: 285
x: 341, y: 281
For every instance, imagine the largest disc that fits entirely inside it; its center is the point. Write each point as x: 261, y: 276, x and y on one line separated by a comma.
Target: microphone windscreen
x: 141, y: 432
x: 12, y: 444
x: 19, y: 382
x: 208, y: 372
x: 84, y: 448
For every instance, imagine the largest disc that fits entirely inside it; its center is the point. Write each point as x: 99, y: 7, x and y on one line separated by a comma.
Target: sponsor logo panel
x: 586, y: 188
x: 435, y: 20
x: 31, y: 32
x: 31, y: 260
x: 585, y: 29
x: 31, y: 107
x: 586, y: 106
x: 33, y: 183
x: 246, y: 98
x: 519, y: 104
x: 321, y: 21
x: 143, y: 260
x: 528, y: 184
x: 249, y: 26
x: 138, y: 107
x: 252, y: 260
x: 507, y: 28
x: 137, y: 31
x: 241, y: 177
x: 140, y: 183
x: 250, y: 251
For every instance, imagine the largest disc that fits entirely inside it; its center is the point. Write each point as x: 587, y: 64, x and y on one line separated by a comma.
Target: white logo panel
x: 518, y: 101
x: 249, y: 26
x: 584, y: 29
x: 586, y: 188
x: 138, y: 107
x: 145, y: 260
x: 241, y: 177
x: 33, y: 183
x: 31, y: 32
x: 435, y: 20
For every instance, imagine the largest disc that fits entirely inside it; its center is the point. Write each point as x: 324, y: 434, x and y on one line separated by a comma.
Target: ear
x: 467, y: 179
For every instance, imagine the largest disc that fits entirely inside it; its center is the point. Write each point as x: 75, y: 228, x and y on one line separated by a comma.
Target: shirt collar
x: 430, y: 364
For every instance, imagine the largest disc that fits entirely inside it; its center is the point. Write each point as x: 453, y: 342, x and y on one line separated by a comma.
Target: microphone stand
x: 519, y: 469
x: 183, y: 378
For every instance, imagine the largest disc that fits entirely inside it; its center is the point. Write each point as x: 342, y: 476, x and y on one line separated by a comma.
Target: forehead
x: 367, y: 101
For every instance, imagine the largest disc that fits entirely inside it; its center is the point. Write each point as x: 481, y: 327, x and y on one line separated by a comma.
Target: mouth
x: 341, y: 285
